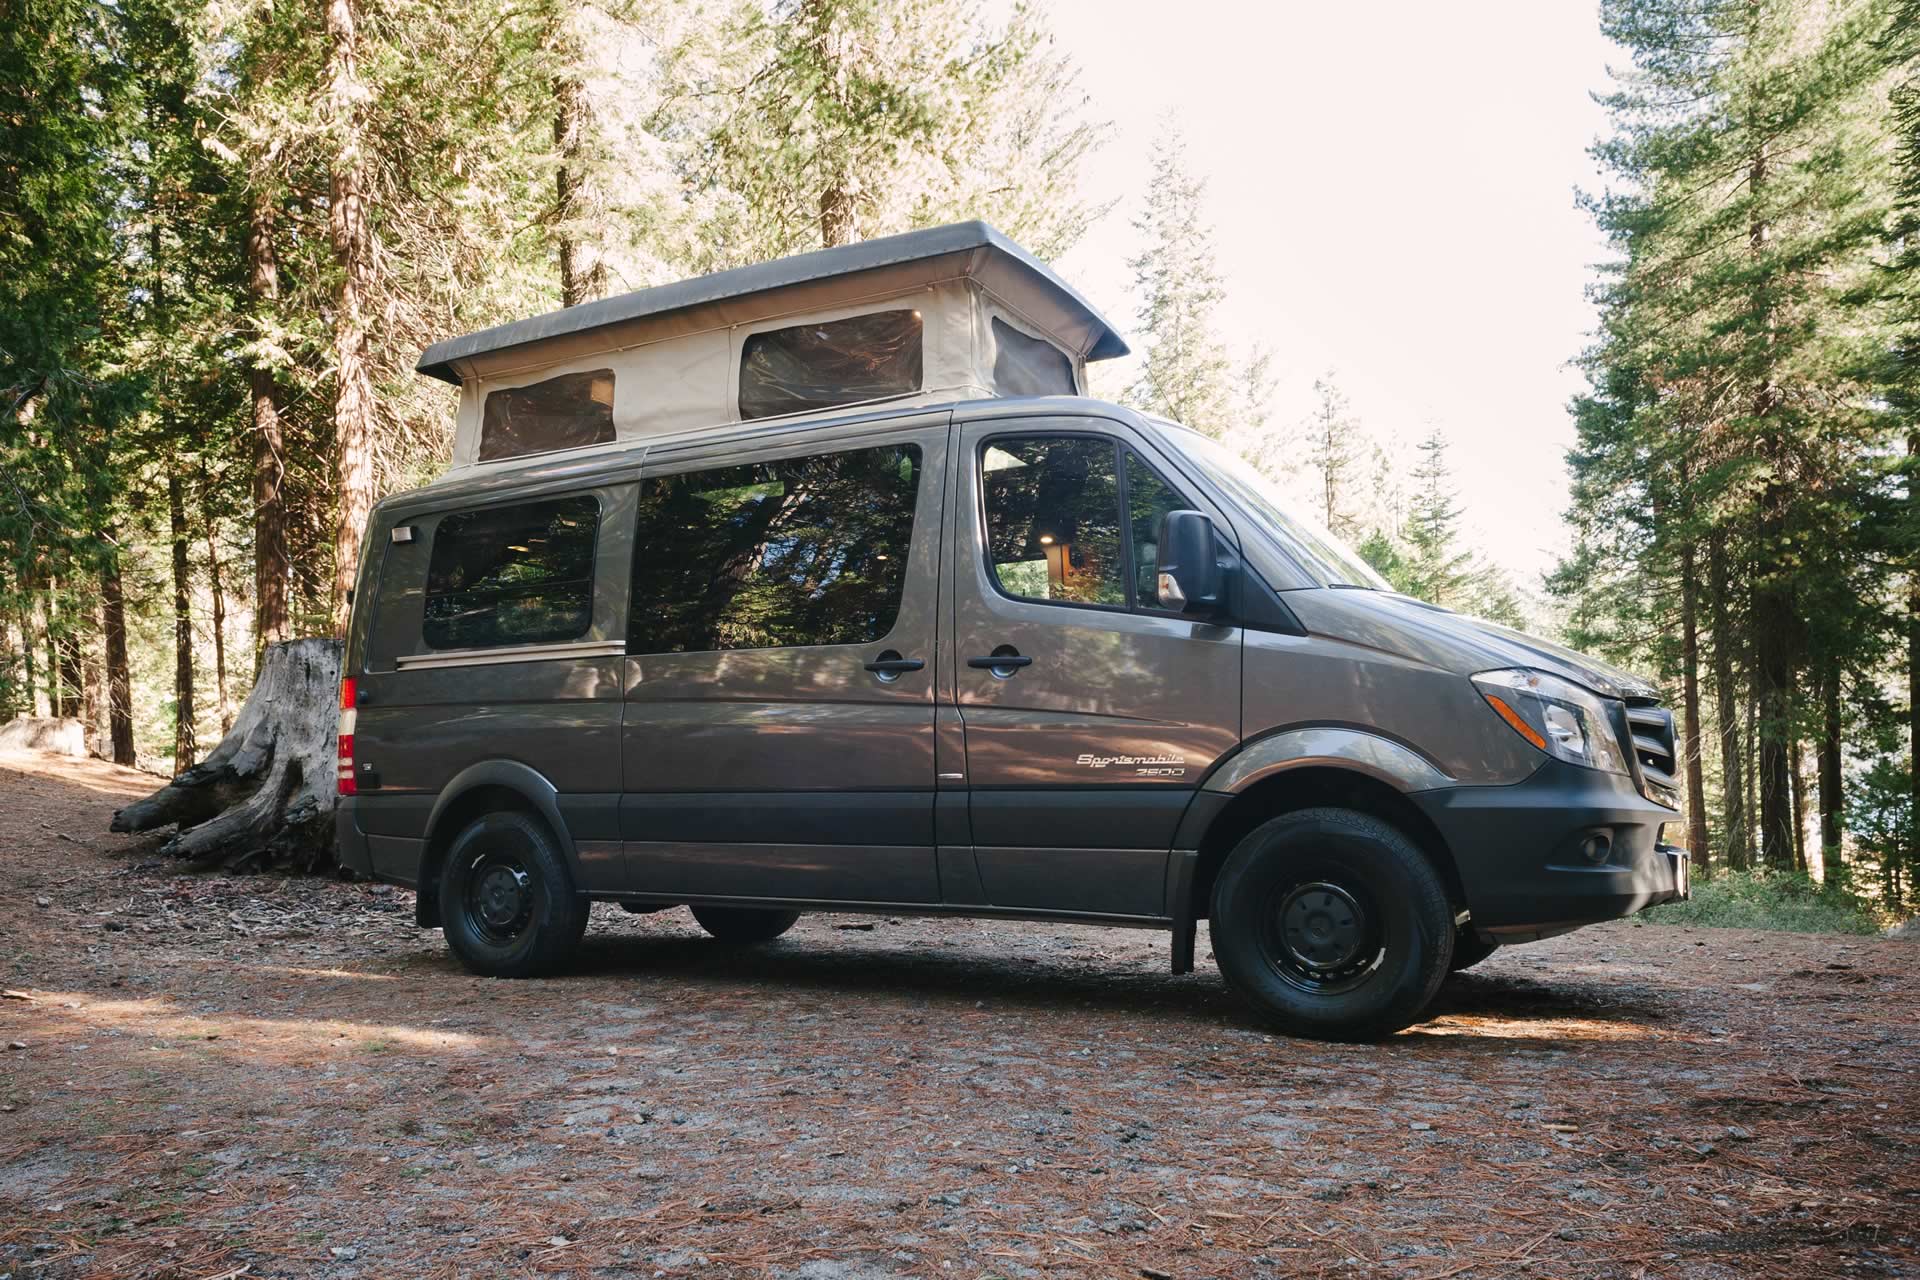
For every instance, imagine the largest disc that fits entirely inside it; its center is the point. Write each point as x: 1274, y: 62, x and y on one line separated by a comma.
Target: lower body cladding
x: 1046, y: 853
x: 1567, y: 847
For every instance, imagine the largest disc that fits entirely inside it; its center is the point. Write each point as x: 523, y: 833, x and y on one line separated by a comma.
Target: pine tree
x: 1726, y: 483
x: 1333, y: 447
x: 1437, y: 569
x: 1185, y: 374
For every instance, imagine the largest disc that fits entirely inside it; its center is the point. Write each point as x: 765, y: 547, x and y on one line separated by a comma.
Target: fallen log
x: 265, y: 796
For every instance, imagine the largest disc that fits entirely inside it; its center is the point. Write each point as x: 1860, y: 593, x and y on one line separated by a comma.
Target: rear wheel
x: 1333, y: 923
x: 1469, y: 950
x: 507, y: 901
x: 744, y: 925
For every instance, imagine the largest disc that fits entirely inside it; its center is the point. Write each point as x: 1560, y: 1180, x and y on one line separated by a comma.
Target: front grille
x: 1651, y: 729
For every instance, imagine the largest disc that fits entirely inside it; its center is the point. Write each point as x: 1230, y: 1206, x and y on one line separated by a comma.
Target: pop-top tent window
x: 1027, y: 366
x: 817, y: 366
x: 567, y: 412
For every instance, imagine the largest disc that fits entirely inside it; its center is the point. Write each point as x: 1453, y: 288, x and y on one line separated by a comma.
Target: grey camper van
x: 821, y: 585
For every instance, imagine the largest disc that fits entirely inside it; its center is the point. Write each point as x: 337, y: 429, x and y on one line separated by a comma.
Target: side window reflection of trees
x: 798, y: 551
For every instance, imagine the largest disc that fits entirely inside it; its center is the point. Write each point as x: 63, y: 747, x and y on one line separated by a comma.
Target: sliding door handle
x: 889, y: 666
x: 1002, y: 662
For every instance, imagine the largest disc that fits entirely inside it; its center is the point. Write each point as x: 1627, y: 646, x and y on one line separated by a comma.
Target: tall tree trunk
x: 8, y: 690
x: 94, y: 664
x: 49, y: 617
x: 352, y: 239
x: 1774, y: 619
x: 66, y: 643
x: 119, y: 678
x: 272, y: 568
x: 1797, y: 757
x: 1690, y: 708
x: 219, y: 601
x: 28, y: 587
x: 1832, y: 822
x: 837, y: 205
x: 836, y: 216
x: 1753, y: 746
x: 582, y: 273
x: 1913, y: 658
x: 183, y: 744
x: 1739, y: 844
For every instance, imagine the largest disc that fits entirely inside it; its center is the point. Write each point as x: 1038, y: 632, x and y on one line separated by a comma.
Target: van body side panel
x: 792, y: 772
x: 423, y: 723
x: 1081, y: 764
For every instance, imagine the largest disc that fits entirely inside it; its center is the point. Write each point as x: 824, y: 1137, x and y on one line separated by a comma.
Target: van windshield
x: 1328, y: 557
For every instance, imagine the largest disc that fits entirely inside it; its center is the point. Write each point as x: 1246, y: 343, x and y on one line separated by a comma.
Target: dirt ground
x: 220, y: 1077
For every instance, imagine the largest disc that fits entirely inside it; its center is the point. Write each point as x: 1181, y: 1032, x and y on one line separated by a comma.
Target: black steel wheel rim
x: 1321, y: 936
x: 499, y: 897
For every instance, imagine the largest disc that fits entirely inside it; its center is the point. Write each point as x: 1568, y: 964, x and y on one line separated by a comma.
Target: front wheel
x: 744, y: 925
x: 507, y: 901
x: 1333, y: 923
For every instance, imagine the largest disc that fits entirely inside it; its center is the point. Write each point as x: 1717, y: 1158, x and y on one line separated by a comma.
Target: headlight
x: 1555, y: 715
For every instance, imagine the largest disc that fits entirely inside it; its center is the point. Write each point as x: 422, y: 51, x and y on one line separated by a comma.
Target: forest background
x: 227, y: 229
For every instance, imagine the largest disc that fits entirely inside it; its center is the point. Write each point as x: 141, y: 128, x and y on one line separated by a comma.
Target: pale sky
x: 1392, y: 191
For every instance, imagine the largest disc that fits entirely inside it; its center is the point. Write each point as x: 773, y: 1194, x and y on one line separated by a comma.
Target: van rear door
x: 496, y: 640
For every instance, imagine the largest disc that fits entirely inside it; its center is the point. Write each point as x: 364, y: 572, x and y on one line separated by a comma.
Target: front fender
x: 1382, y: 759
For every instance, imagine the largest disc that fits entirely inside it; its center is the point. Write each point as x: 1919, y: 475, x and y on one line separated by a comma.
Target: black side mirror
x: 1189, y: 579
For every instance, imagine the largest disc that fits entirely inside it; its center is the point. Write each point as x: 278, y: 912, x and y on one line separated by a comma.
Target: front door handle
x: 890, y: 665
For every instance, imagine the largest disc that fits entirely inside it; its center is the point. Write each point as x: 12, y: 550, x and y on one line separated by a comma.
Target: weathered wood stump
x: 266, y: 794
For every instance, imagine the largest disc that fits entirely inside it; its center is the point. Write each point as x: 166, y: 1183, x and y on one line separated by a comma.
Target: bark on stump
x: 266, y: 795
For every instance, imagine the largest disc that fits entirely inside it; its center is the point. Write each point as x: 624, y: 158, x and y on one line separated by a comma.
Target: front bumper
x: 1522, y: 850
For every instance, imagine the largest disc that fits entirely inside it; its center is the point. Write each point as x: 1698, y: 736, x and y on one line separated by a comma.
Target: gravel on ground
x: 213, y: 1077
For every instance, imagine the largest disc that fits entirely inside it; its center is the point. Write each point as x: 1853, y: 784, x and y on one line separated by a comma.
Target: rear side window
x: 802, y: 551
x: 512, y: 575
x: 1024, y: 366
x: 567, y: 412
x: 817, y: 366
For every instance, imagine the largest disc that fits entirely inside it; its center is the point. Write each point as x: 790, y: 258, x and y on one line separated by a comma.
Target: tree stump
x: 266, y: 794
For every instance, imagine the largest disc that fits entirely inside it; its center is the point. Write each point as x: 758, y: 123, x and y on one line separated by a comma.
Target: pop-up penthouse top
x: 950, y: 313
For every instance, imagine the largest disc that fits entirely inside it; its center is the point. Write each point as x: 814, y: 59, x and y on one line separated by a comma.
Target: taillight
x: 348, y: 702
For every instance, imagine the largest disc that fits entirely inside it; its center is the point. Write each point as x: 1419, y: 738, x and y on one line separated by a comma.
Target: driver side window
x: 1056, y: 531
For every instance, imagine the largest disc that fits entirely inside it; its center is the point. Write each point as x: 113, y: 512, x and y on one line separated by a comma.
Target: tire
x: 1333, y: 924
x: 1469, y: 950
x: 507, y: 900
x: 744, y: 925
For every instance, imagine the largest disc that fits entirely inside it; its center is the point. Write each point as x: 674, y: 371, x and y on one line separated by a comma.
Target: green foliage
x: 849, y: 119
x: 1771, y: 900
x: 167, y: 173
x: 1429, y: 561
x: 1732, y: 476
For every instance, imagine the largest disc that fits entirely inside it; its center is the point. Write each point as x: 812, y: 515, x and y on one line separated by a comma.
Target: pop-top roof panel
x: 995, y: 255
